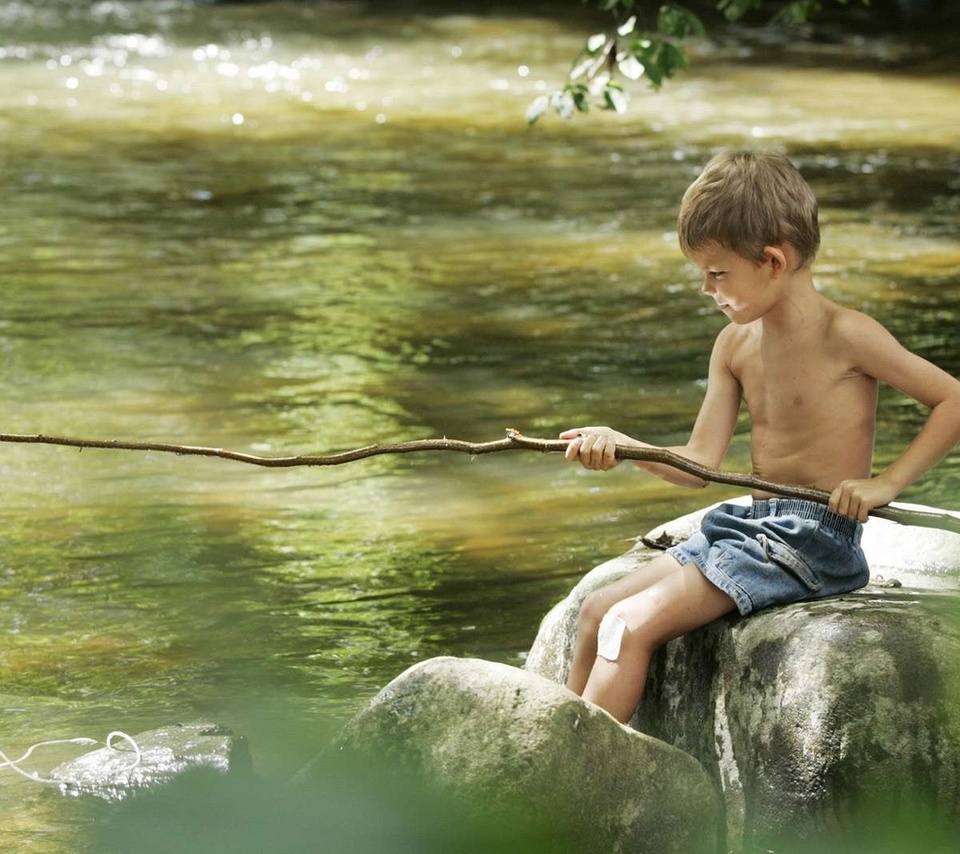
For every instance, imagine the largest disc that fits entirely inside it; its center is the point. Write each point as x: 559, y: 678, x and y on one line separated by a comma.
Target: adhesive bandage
x: 610, y: 636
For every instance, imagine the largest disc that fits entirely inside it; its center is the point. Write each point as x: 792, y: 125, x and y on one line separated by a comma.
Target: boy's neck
x: 798, y: 301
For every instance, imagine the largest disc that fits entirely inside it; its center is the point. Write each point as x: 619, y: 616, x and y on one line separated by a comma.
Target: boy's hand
x: 856, y: 498
x: 594, y: 447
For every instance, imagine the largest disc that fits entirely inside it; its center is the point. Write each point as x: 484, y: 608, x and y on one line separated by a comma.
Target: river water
x: 301, y: 228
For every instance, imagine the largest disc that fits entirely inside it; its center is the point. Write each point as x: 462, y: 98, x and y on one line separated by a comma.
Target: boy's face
x: 740, y: 287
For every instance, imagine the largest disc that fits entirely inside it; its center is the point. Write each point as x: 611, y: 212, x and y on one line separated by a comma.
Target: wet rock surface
x: 115, y: 771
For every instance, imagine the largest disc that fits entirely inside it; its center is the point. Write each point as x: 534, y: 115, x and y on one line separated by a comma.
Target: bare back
x: 812, y: 410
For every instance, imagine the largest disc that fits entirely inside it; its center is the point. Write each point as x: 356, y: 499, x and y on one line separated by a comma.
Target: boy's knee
x: 610, y: 635
x: 593, y: 609
x: 627, y: 628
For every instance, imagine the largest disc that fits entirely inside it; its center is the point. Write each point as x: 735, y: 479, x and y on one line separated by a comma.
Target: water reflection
x: 298, y: 227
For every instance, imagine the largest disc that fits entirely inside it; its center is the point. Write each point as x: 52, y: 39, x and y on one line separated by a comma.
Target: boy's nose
x: 707, y: 287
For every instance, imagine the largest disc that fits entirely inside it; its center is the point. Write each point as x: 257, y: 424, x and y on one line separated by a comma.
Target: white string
x: 14, y: 764
x: 138, y: 756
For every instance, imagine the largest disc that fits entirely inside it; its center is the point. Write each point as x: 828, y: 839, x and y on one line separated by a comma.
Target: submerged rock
x: 814, y: 715
x: 516, y: 743
x: 117, y: 770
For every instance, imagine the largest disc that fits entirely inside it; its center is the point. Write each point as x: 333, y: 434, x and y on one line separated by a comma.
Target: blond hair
x: 746, y: 200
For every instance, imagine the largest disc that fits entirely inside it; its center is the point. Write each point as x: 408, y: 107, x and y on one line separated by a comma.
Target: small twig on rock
x: 514, y: 441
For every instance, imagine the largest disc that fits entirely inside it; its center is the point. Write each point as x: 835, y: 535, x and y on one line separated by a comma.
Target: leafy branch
x: 514, y: 441
x: 625, y: 51
x: 657, y: 53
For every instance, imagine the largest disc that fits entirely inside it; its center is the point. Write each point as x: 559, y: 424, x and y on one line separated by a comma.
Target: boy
x: 808, y: 371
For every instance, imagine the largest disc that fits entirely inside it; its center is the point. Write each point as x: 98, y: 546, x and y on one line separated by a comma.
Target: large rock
x: 514, y: 742
x: 812, y: 714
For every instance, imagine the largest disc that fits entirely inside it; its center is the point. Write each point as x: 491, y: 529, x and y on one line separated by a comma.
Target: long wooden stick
x: 514, y: 441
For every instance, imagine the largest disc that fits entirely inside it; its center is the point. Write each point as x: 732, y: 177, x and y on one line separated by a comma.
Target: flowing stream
x: 299, y: 228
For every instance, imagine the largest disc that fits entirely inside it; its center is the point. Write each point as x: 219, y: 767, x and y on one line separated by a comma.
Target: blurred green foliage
x: 363, y: 810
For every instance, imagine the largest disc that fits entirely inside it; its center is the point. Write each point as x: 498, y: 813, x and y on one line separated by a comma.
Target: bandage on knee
x: 610, y: 636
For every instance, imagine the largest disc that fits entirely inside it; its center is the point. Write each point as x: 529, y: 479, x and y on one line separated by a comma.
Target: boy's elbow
x: 949, y: 409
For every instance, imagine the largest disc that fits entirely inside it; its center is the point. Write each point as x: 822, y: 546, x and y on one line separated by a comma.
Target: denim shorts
x: 778, y: 550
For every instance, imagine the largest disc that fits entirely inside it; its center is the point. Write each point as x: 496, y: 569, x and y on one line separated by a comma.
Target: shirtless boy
x: 808, y: 371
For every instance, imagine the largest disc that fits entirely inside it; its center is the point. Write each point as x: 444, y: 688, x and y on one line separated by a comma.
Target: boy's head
x: 746, y: 200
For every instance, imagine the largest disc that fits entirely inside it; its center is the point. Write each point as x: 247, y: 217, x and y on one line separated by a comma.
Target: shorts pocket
x: 790, y: 559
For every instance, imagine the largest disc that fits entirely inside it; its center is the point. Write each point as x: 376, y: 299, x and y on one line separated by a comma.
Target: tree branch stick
x: 514, y: 441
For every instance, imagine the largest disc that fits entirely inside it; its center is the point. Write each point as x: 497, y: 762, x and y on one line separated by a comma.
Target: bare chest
x: 796, y: 390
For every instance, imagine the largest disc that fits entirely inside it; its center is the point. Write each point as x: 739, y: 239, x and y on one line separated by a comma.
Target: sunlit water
x: 306, y: 228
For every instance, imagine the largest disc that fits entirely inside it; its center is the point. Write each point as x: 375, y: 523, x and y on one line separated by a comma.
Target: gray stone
x: 810, y: 714
x: 115, y: 771
x: 496, y: 735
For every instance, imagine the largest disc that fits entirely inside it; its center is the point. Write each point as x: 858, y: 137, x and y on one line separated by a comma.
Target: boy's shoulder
x: 835, y: 324
x: 849, y: 323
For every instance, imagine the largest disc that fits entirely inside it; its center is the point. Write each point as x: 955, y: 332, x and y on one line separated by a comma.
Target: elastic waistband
x: 846, y: 527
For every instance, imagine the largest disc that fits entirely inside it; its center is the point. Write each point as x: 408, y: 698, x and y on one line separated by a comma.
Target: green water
x: 304, y: 228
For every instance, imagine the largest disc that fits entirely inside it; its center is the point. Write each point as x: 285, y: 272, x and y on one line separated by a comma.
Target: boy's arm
x: 878, y: 354
x: 594, y: 447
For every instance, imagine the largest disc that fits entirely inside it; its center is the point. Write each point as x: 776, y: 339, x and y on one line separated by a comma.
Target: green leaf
x: 537, y: 108
x: 672, y: 59
x: 581, y: 98
x: 630, y: 67
x: 596, y: 42
x: 563, y: 103
x: 650, y: 54
x: 734, y: 10
x: 679, y: 23
x: 627, y: 26
x: 615, y: 98
x: 798, y: 12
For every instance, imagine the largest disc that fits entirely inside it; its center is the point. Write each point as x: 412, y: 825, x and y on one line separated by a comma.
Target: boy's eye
x: 715, y: 274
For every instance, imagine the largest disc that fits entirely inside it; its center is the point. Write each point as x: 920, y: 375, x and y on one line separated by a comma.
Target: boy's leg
x: 676, y: 604
x: 595, y: 606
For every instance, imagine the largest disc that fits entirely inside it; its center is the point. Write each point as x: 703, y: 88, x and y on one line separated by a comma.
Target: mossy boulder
x: 517, y: 744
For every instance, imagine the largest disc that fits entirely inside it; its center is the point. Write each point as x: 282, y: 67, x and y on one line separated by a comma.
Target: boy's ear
x: 777, y: 258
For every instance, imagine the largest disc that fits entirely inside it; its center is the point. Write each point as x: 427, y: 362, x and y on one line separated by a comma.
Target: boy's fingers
x: 836, y: 501
x: 591, y: 451
x: 846, y: 501
x: 573, y: 449
x: 596, y: 451
x: 587, y: 444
